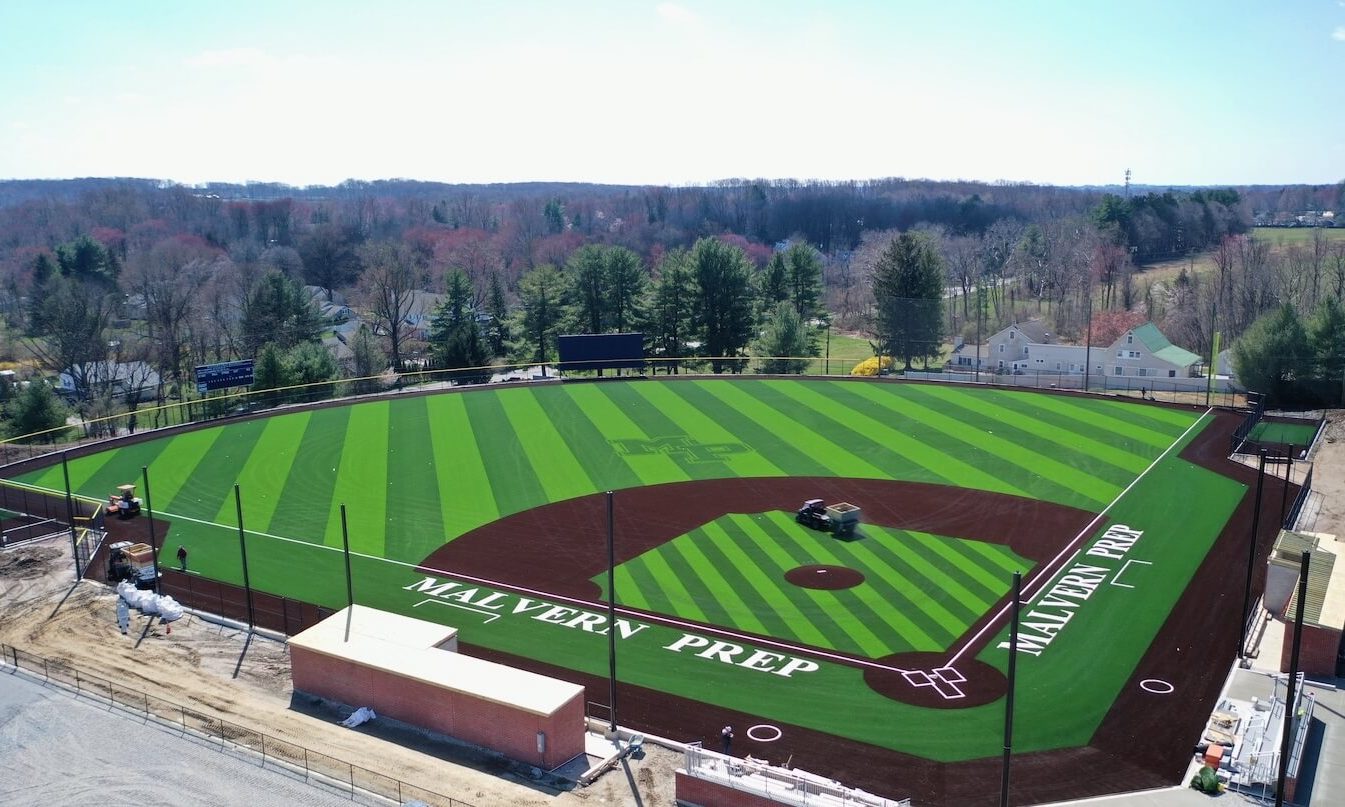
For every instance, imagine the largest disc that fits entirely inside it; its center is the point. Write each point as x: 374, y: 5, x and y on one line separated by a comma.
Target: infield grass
x: 920, y: 591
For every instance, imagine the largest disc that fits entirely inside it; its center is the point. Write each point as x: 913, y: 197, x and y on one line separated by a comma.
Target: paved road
x: 59, y: 749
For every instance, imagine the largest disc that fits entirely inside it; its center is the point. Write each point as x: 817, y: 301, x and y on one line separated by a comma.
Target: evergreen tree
x: 455, y: 339
x: 804, y: 280
x: 667, y: 319
x: 1326, y: 334
x: 497, y: 334
x: 626, y: 281
x: 587, y: 272
x: 1273, y: 357
x: 784, y: 338
x: 311, y: 363
x: 278, y: 311
x: 724, y: 301
x: 86, y: 260
x: 35, y: 410
x: 774, y: 284
x: 269, y: 371
x: 43, y: 271
x: 908, y: 299
x: 541, y: 294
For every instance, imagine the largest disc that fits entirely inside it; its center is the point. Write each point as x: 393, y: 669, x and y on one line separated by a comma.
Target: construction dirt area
x: 203, y: 666
x: 43, y: 613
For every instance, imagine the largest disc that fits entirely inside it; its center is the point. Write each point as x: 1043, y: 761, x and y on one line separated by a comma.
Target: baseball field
x: 485, y: 509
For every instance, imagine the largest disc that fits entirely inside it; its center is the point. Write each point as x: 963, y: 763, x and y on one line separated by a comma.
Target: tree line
x: 715, y: 275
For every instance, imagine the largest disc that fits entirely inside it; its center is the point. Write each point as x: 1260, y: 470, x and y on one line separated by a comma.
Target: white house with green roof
x: 1144, y: 352
x: 1027, y: 347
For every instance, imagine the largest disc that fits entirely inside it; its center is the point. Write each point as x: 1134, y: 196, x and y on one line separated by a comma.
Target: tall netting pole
x: 1251, y: 558
x: 70, y: 517
x: 611, y: 615
x: 153, y: 539
x: 1288, y: 742
x: 1008, y: 698
x: 243, y: 549
x: 350, y: 585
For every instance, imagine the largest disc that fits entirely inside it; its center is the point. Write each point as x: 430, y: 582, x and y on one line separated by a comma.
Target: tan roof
x: 1325, y: 604
x: 409, y: 647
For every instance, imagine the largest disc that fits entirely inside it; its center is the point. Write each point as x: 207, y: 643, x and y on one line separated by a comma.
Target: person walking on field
x: 726, y: 736
x: 182, y: 557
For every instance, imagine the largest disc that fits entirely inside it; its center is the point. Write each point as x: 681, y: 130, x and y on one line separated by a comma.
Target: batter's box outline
x: 945, y: 681
x: 1115, y: 580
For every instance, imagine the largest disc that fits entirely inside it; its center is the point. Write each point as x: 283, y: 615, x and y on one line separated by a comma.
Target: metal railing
x: 1304, y: 491
x: 314, y: 767
x: 783, y: 785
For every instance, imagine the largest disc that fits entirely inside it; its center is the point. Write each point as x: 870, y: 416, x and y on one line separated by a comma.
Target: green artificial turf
x: 1269, y: 432
x: 920, y: 592
x: 416, y: 472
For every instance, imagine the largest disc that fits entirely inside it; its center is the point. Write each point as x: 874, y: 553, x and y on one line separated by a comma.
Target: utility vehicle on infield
x: 839, y: 519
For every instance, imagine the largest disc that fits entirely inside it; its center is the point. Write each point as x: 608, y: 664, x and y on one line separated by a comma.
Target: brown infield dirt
x: 1145, y: 741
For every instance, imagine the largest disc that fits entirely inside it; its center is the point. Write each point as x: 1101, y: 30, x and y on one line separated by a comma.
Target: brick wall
x: 508, y: 730
x: 1317, y: 656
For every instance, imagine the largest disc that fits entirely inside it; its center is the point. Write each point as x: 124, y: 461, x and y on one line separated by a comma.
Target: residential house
x: 130, y: 380
x: 1142, y: 352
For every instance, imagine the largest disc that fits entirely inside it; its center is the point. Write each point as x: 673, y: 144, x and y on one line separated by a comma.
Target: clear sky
x: 640, y: 91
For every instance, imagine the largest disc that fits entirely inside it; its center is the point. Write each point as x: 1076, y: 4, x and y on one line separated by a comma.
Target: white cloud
x: 228, y: 57
x: 672, y: 12
x: 1339, y: 33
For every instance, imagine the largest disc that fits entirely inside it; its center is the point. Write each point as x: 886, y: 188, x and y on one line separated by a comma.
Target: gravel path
x: 59, y: 749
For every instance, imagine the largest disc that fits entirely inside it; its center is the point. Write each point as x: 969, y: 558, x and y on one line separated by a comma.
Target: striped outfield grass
x: 418, y: 471
x: 920, y: 592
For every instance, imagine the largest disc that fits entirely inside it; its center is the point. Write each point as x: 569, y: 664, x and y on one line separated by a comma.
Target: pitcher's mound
x: 828, y: 578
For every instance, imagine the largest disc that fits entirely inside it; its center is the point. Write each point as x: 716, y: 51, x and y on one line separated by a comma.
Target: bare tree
x: 75, y: 316
x: 386, y: 288
x: 169, y: 278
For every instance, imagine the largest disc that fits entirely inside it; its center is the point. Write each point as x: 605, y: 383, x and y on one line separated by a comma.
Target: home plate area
x: 945, y: 681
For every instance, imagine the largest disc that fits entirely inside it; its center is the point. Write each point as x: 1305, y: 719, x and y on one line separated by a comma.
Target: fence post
x: 77, y: 689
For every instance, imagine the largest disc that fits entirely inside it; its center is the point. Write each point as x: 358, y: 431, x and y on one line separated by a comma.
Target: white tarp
x: 147, y: 602
x: 361, y: 715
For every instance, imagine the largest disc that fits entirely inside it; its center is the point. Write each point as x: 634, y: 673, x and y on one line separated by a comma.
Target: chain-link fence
x: 225, y: 405
x: 314, y: 767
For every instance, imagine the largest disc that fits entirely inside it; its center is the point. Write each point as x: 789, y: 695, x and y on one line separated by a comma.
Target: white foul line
x: 1070, y: 548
